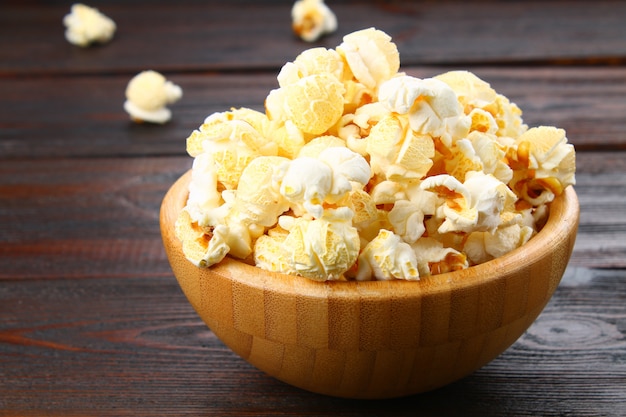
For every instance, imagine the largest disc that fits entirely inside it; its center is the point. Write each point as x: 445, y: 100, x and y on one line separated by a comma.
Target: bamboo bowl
x: 378, y: 339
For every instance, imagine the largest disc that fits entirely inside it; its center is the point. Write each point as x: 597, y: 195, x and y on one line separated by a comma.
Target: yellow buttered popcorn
x: 356, y: 171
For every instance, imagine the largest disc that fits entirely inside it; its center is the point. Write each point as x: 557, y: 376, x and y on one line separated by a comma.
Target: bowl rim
x: 562, y: 224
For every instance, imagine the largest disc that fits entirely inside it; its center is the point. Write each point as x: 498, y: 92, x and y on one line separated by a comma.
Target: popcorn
x: 358, y: 172
x: 86, y: 25
x: 311, y: 62
x: 312, y: 19
x: 433, y: 258
x: 475, y: 205
x: 147, y: 94
x: 546, y: 164
x: 371, y: 56
x: 313, y: 103
x: 387, y: 257
x: 396, y: 151
x: 313, y: 181
x: 431, y: 106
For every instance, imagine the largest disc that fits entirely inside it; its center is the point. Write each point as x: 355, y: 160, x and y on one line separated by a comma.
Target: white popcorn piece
x: 475, y: 205
x: 87, y: 25
x: 311, y: 19
x: 204, y: 197
x: 147, y: 95
x: 371, y: 56
x: 407, y: 216
x: 327, y: 178
x: 348, y: 167
x: 387, y: 257
x: 431, y: 105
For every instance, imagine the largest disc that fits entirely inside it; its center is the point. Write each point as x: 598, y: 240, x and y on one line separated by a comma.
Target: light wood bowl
x: 377, y: 339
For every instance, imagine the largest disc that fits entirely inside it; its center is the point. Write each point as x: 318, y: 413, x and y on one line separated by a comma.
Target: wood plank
x: 449, y: 32
x: 73, y: 218
x: 84, y: 116
x: 99, y: 217
x: 134, y: 346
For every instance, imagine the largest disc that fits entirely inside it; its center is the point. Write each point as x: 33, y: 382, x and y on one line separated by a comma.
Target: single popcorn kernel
x: 371, y: 55
x: 87, y: 25
x: 311, y: 19
x: 358, y: 172
x: 314, y: 103
x: 147, y: 94
x: 322, y: 249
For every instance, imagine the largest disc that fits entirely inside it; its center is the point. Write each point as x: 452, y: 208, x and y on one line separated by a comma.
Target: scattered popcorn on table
x: 147, y: 95
x: 311, y: 19
x: 86, y: 25
x: 356, y: 171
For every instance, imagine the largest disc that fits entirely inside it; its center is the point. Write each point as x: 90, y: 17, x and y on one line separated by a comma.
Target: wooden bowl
x: 377, y: 339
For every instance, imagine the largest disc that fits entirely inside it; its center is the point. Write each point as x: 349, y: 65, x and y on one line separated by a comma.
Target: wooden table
x: 92, y: 321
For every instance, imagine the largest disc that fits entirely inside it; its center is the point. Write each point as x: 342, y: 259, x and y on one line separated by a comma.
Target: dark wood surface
x: 92, y: 321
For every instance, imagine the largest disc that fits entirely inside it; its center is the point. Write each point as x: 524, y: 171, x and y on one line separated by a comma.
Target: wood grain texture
x: 587, y: 103
x: 466, y: 318
x: 92, y: 321
x: 216, y: 35
x: 134, y: 346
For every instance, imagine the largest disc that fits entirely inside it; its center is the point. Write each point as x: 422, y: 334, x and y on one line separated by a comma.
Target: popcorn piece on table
x: 147, y: 95
x: 311, y: 19
x: 86, y: 25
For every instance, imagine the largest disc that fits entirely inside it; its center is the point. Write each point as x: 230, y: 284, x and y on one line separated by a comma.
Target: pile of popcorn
x: 356, y: 171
